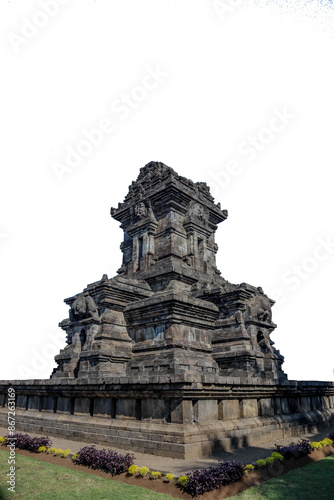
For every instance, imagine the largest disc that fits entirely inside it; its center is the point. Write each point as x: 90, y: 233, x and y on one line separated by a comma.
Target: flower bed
x: 107, y: 460
x: 205, y: 480
x: 295, y: 450
x: 26, y: 442
x: 226, y: 476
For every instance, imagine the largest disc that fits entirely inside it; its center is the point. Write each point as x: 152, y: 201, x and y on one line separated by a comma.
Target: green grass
x: 40, y: 480
x: 312, y: 482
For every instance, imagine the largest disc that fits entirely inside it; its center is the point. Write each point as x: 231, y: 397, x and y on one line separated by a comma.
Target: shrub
x: 51, y: 450
x: 204, y: 480
x: 26, y: 442
x: 155, y: 474
x: 75, y: 455
x: 58, y: 451
x: 133, y: 469
x: 183, y: 480
x: 326, y: 442
x: 143, y: 471
x: 330, y: 436
x: 3, y: 440
x: 248, y: 468
x: 295, y: 450
x: 316, y: 445
x: 169, y: 478
x: 107, y: 460
x: 277, y: 456
x: 42, y: 449
x: 269, y: 460
x: 260, y: 463
x: 66, y: 453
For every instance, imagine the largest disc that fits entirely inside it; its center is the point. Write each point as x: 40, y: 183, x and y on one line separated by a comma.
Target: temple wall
x: 175, y: 419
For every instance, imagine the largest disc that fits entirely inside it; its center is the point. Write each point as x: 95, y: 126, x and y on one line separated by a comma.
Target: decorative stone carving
x: 122, y: 269
x: 198, y: 212
x: 259, y: 308
x: 84, y: 307
x: 140, y: 210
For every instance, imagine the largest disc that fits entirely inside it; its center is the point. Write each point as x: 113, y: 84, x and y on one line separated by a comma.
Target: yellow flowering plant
x: 133, y: 469
x: 155, y: 474
x: 143, y: 471
x: 169, y: 478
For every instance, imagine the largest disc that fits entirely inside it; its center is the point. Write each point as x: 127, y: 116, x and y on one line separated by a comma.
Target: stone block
x: 277, y: 406
x: 294, y: 405
x: 21, y: 402
x: 64, y: 405
x: 267, y: 407
x: 229, y: 409
x: 324, y: 400
x: 205, y: 410
x: 103, y: 407
x: 305, y: 404
x: 82, y: 406
x: 156, y: 409
x: 48, y: 403
x: 248, y: 408
x: 285, y: 406
x: 316, y: 403
x: 181, y: 411
x: 33, y: 403
x: 128, y: 408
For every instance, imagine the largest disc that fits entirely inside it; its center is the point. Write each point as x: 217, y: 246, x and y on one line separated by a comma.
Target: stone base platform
x: 171, y: 418
x: 172, y: 440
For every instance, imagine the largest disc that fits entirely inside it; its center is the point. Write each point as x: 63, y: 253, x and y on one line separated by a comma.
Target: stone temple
x: 168, y: 357
x: 169, y: 311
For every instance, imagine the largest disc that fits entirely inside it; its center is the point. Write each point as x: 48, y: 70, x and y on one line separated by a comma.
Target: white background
x: 230, y: 70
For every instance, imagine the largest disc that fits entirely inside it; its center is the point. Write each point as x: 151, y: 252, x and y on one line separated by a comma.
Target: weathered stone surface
x: 267, y: 407
x: 294, y: 405
x: 316, y: 402
x: 249, y: 408
x: 65, y: 405
x: 48, y: 403
x: 147, y: 437
x: 180, y: 436
x: 229, y: 409
x: 168, y: 310
x: 82, y: 406
x: 156, y: 409
x: 285, y: 406
x: 277, y: 406
x: 324, y: 402
x: 104, y: 407
x: 34, y: 403
x: 205, y: 410
x: 181, y: 411
x: 305, y: 403
x: 21, y: 401
x: 128, y: 408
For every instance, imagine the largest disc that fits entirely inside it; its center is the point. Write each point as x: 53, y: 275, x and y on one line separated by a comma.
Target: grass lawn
x: 312, y: 482
x: 41, y: 480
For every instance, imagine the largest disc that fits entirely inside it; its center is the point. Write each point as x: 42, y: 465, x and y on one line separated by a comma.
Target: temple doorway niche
x: 200, y: 249
x: 82, y: 338
x: 140, y: 251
